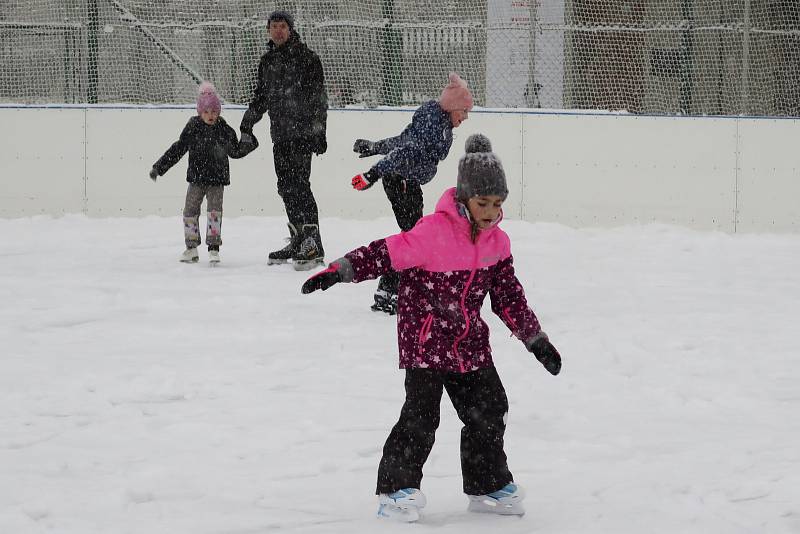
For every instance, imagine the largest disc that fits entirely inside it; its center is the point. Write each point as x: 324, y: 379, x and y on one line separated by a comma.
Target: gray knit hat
x: 282, y: 15
x: 480, y: 171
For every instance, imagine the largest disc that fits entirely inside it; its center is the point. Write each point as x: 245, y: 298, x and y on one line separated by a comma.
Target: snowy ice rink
x: 141, y: 395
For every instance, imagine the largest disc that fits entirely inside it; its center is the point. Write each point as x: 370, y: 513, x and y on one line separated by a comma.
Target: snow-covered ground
x: 141, y: 395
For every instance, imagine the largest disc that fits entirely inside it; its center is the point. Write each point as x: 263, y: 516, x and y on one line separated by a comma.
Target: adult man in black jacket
x: 291, y: 88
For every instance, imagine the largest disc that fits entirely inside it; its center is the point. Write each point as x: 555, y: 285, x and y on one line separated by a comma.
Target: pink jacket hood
x: 441, y: 241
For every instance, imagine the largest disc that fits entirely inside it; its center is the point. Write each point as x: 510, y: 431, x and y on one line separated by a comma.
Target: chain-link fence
x: 655, y: 56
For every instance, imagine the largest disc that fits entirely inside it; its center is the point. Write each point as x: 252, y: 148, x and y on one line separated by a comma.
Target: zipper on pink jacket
x: 464, y: 311
x: 424, y: 330
x: 511, y: 322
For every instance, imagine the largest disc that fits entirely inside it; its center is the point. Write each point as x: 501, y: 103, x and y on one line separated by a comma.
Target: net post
x: 687, y: 46
x: 391, y: 60
x: 93, y: 19
x: 745, y: 99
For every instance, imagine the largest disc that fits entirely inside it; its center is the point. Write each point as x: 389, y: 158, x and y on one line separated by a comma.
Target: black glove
x: 322, y: 280
x: 364, y: 148
x: 547, y: 354
x: 247, y: 143
x: 153, y: 174
x: 319, y: 144
x: 248, y: 120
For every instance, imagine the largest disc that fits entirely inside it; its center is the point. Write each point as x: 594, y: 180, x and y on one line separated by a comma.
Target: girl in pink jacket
x: 449, y: 262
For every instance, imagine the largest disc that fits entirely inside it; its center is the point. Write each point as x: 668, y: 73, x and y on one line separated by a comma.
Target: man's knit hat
x: 208, y: 99
x: 456, y: 95
x: 480, y: 172
x: 281, y: 15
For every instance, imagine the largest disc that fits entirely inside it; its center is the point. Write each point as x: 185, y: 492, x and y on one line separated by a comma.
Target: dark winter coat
x: 209, y: 148
x: 445, y: 279
x: 416, y: 153
x: 291, y: 87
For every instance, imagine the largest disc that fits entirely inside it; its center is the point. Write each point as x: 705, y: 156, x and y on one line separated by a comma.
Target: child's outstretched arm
x: 363, y: 263
x: 174, y: 153
x: 338, y: 271
x: 397, y: 252
x: 509, y: 303
x: 366, y: 148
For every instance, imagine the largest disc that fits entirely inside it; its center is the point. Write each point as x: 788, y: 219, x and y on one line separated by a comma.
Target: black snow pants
x: 481, y: 403
x: 407, y: 203
x: 293, y: 168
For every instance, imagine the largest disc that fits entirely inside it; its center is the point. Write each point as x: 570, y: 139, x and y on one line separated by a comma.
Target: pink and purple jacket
x: 444, y: 281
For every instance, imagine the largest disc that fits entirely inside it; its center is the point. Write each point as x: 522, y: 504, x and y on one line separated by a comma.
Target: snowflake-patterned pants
x: 480, y: 402
x: 191, y: 215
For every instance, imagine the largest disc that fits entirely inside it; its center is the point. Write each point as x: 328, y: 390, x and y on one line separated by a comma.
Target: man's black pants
x: 481, y: 403
x: 293, y: 168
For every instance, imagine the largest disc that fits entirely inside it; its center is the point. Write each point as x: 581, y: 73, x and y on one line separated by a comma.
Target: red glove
x: 362, y: 181
x: 322, y: 280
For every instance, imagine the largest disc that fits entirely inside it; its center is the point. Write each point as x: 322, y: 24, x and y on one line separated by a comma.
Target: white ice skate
x: 190, y: 255
x: 402, y: 505
x: 505, y: 501
x: 213, y: 257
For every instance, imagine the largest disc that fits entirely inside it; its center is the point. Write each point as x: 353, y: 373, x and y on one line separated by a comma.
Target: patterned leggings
x: 191, y: 215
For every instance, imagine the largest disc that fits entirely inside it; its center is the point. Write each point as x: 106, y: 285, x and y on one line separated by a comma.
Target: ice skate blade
x: 190, y: 260
x: 491, y: 506
x: 395, y: 513
x: 305, y: 265
x: 385, y: 309
x: 273, y: 261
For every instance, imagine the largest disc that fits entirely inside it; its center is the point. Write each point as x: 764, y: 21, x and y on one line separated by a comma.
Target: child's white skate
x: 402, y: 505
x: 213, y: 257
x: 505, y: 501
x: 190, y: 255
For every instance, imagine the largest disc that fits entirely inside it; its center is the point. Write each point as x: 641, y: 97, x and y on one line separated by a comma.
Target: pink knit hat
x: 456, y: 95
x: 207, y: 99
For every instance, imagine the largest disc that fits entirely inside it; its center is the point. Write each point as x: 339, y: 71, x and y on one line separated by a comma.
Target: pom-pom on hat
x: 455, y: 95
x: 282, y: 15
x: 480, y: 172
x: 208, y: 99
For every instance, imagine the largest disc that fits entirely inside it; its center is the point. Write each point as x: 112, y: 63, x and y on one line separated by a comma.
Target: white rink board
x: 611, y: 170
x: 769, y: 176
x: 42, y: 155
x: 129, y: 141
x: 582, y: 170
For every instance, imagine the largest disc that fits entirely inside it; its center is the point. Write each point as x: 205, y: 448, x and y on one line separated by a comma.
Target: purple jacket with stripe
x: 445, y: 279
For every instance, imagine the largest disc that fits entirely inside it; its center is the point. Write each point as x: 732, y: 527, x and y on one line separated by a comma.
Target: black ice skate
x: 385, y: 302
x: 310, y: 252
x: 286, y: 253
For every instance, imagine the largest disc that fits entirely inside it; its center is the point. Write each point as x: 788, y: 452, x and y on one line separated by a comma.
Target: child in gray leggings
x: 210, y: 142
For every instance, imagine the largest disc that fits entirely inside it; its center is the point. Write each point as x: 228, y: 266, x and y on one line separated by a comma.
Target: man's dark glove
x: 319, y: 144
x: 249, y: 119
x: 547, y: 354
x: 247, y: 143
x: 365, y: 148
x: 360, y: 182
x: 153, y: 174
x: 323, y: 279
